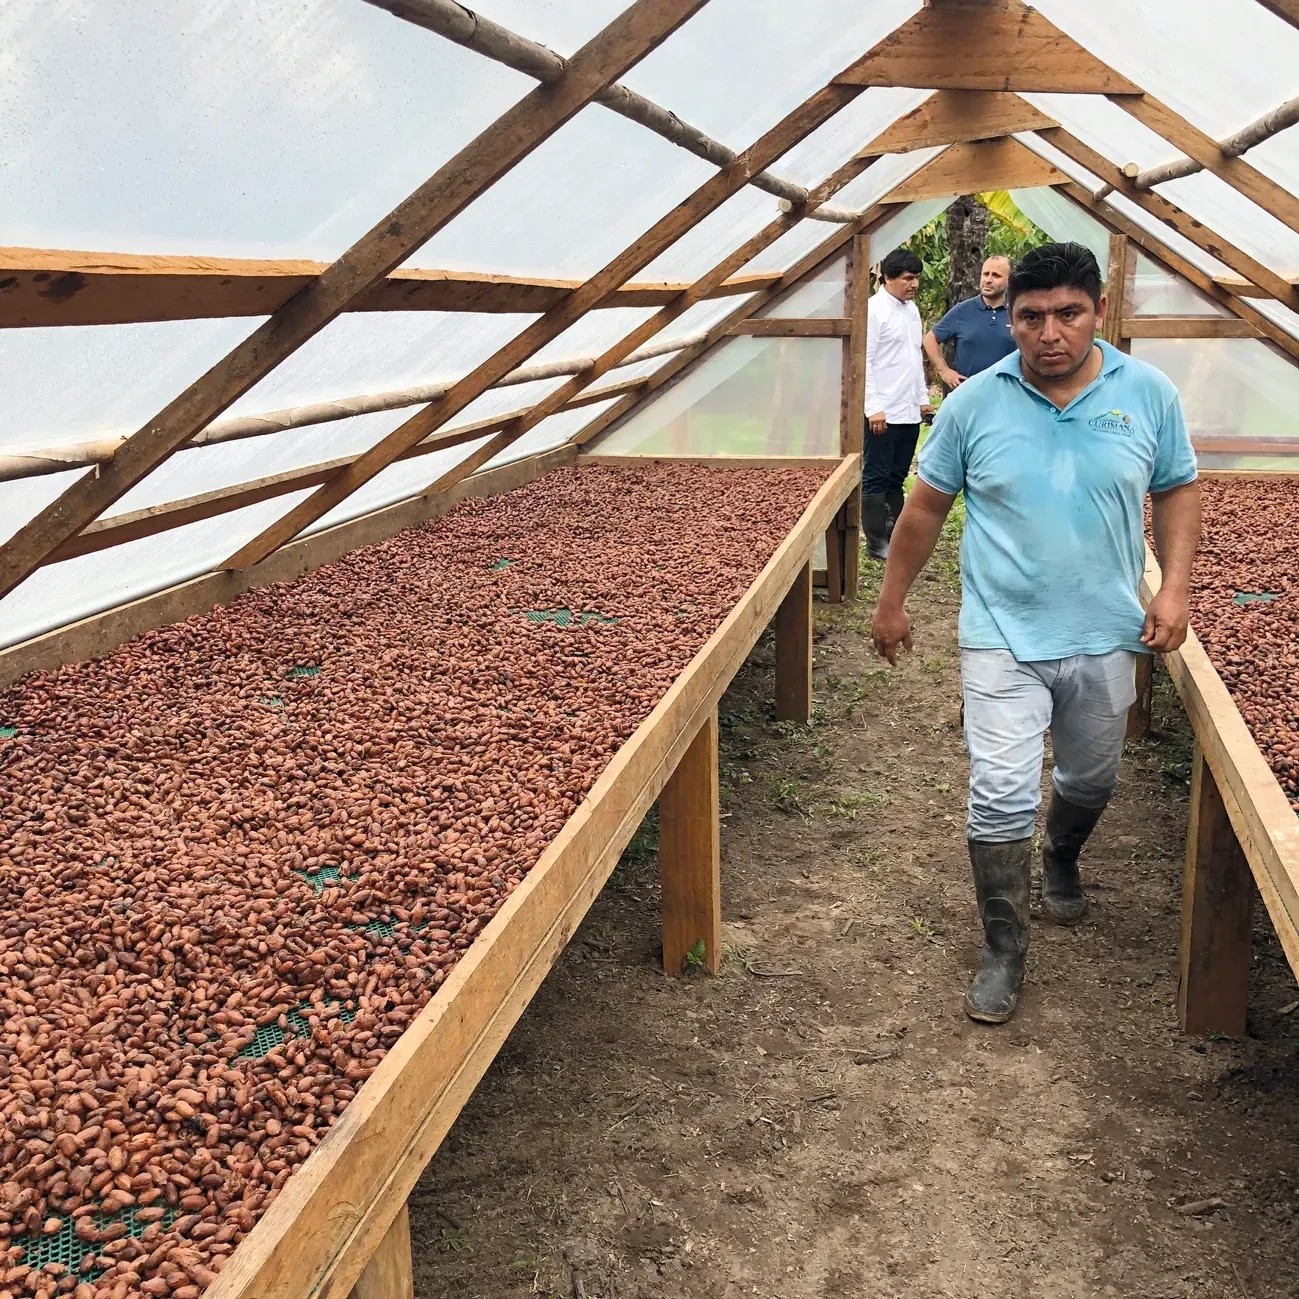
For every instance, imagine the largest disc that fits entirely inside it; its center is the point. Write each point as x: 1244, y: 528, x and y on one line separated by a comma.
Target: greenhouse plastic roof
x: 273, y: 131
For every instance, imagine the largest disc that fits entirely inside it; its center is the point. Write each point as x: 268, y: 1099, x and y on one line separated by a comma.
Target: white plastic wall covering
x: 820, y: 294
x: 903, y: 224
x: 1064, y: 221
x: 550, y: 433
x: 1156, y: 292
x: 718, y: 234
x: 750, y: 396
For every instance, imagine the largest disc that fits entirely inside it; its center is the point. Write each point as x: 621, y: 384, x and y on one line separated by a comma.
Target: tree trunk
x: 967, y: 237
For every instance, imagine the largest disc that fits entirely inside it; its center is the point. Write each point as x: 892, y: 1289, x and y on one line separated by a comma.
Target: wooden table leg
x: 794, y: 650
x: 852, y: 545
x: 834, y: 557
x: 1217, y: 899
x: 388, y: 1274
x: 1139, y: 713
x: 690, y: 856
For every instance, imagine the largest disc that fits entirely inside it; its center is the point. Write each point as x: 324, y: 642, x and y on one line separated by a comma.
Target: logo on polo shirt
x: 1112, y: 421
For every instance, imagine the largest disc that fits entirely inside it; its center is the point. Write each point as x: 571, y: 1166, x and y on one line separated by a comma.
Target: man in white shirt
x: 896, y: 397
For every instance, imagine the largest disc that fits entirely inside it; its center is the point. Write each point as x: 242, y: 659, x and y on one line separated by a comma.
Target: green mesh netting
x: 66, y: 1247
x: 303, y: 670
x: 1255, y: 597
x: 270, y: 701
x: 565, y: 617
x: 498, y: 565
x: 269, y: 1036
x: 320, y: 879
x: 8, y: 732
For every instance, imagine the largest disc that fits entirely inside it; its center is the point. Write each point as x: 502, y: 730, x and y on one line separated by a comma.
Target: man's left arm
x: 1175, y: 522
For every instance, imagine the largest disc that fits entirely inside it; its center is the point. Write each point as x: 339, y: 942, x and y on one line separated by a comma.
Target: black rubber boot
x: 875, y: 524
x: 896, y: 500
x: 1001, y: 874
x: 1067, y: 829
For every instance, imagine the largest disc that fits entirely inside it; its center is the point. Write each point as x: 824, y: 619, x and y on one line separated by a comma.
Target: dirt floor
x: 821, y: 1119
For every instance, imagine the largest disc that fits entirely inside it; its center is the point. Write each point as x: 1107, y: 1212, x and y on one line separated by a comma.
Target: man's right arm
x: 914, y: 537
x: 934, y: 351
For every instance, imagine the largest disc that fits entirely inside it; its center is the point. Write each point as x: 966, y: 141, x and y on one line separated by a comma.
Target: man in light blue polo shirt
x: 1056, y: 448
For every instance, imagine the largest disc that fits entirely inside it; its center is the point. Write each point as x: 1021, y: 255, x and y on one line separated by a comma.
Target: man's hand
x: 926, y: 413
x: 1166, y: 619
x: 878, y: 423
x: 890, y: 628
x: 951, y: 378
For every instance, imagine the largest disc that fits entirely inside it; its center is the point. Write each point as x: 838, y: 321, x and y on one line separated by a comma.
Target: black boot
x: 1067, y: 829
x: 896, y: 500
x: 1001, y: 873
x: 875, y: 524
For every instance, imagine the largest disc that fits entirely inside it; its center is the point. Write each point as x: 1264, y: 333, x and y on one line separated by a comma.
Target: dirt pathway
x: 821, y: 1119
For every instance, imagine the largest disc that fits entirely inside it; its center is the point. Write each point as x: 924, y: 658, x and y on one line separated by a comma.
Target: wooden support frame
x: 835, y: 555
x: 318, y: 1236
x: 957, y: 116
x: 1286, y: 10
x: 1140, y: 715
x: 794, y: 651
x: 982, y: 165
x: 389, y: 1274
x: 852, y: 397
x: 640, y: 29
x: 794, y: 327
x: 1188, y: 327
x: 1111, y: 326
x: 1257, y: 810
x: 690, y: 857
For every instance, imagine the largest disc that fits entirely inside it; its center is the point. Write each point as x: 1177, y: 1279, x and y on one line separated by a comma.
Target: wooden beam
x: 333, y: 1212
x: 1111, y: 330
x: 102, y: 633
x: 1217, y: 912
x: 388, y: 1274
x: 1193, y: 142
x: 717, y: 462
x: 972, y: 168
x: 514, y: 135
x: 819, y: 108
x: 958, y: 116
x: 1161, y: 253
x: 1244, y: 288
x: 46, y: 287
x: 1003, y: 45
x: 794, y: 327
x: 1141, y: 712
x: 793, y: 626
x: 852, y: 394
x: 1189, y: 327
x: 1286, y: 10
x: 1266, y: 279
x: 116, y: 529
x: 690, y: 858
x: 834, y: 560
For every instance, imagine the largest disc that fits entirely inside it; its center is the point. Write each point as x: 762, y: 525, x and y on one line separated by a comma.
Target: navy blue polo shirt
x: 982, y: 335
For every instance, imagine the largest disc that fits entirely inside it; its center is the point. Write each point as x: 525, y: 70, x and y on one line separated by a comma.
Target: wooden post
x: 834, y: 559
x: 1217, y: 899
x: 1112, y: 324
x: 388, y: 1274
x: 794, y: 650
x: 1139, y: 713
x: 853, y: 395
x: 690, y: 856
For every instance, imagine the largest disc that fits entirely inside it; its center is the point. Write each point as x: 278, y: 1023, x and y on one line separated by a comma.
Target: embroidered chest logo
x: 1112, y: 421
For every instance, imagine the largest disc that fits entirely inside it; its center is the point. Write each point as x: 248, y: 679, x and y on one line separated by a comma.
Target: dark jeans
x: 886, y: 458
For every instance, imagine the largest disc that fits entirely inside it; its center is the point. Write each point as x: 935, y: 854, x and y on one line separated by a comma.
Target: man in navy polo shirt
x: 980, y: 326
x: 1056, y: 448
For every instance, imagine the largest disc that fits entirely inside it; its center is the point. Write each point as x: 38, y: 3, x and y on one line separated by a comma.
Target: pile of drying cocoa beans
x: 1245, y: 609
x: 239, y: 854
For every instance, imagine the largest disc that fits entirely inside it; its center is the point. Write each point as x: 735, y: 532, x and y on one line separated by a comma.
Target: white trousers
x: 1009, y: 706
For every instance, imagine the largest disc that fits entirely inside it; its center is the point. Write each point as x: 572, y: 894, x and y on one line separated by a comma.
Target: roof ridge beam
x: 456, y: 23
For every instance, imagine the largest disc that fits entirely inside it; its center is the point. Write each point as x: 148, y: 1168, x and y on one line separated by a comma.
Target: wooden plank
x: 1111, y: 326
x: 819, y: 108
x: 973, y: 168
x: 48, y: 287
x: 1139, y: 715
x: 331, y: 1215
x: 957, y: 116
x: 388, y: 1274
x: 722, y: 462
x: 690, y: 857
x: 1188, y: 327
x: 1217, y: 907
x: 1257, y: 806
x: 852, y: 395
x: 1286, y: 10
x: 102, y: 633
x: 794, y: 327
x: 510, y: 139
x: 1264, y: 279
x: 1244, y: 288
x: 1243, y: 446
x: 834, y: 557
x: 794, y: 651
x: 1193, y: 142
x: 1164, y: 256
x: 1001, y: 45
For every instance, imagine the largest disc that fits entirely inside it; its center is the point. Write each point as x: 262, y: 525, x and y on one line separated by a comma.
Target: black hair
x: 1056, y: 266
x: 899, y: 262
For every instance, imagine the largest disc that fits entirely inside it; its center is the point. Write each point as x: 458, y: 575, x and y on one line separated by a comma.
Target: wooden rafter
x: 1159, y: 252
x: 1174, y: 217
x: 971, y: 168
x: 795, y: 327
x: 1286, y: 10
x: 958, y: 116
x: 1189, y: 327
x: 609, y: 55
x: 48, y: 287
x: 985, y: 45
x: 819, y: 108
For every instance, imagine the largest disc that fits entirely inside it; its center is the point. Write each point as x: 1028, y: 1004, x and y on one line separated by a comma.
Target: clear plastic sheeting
x: 903, y: 224
x: 1241, y: 399
x: 1064, y: 221
x: 1157, y: 293
x: 821, y: 294
x: 752, y: 396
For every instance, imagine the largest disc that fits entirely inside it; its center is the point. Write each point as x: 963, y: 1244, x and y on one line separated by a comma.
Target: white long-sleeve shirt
x: 895, y: 368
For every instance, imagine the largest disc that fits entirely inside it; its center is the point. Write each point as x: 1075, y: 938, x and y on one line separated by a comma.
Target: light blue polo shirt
x: 1054, y: 546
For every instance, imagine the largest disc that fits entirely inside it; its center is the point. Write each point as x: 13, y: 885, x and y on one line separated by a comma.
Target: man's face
x: 904, y: 286
x: 993, y: 277
x: 1055, y: 330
